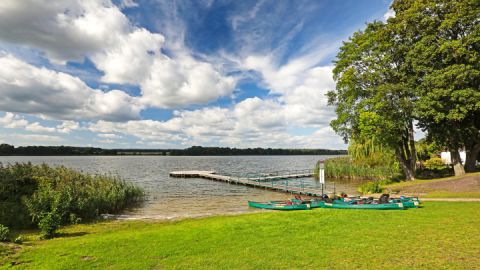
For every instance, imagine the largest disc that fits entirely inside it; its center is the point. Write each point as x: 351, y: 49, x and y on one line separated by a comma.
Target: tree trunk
x: 404, y: 164
x: 413, y: 151
x: 457, y: 163
x: 472, y: 154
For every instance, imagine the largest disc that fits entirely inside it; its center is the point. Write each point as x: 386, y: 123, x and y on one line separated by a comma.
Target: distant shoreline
x: 10, y: 150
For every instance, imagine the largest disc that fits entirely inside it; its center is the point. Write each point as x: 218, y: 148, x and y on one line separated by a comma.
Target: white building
x: 448, y: 160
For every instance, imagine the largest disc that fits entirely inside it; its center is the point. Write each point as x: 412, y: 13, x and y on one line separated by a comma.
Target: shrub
x: 4, y: 231
x: 49, y: 224
x: 434, y: 163
x: 47, y: 197
x: 18, y: 240
x: 372, y: 187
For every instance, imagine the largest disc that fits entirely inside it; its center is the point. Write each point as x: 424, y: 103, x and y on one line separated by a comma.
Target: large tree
x: 373, y: 96
x: 445, y: 56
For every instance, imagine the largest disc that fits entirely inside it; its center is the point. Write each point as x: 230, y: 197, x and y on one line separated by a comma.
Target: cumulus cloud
x: 71, y: 30
x: 14, y: 121
x: 66, y: 29
x: 28, y: 89
x: 67, y: 126
x: 182, y: 82
x: 252, y: 122
x: 10, y: 120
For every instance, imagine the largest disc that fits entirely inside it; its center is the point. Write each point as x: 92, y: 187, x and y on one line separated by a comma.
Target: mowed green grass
x: 439, y: 236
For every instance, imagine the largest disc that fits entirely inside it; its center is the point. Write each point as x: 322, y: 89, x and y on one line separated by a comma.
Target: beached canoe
x: 408, y: 202
x: 347, y: 205
x: 278, y: 205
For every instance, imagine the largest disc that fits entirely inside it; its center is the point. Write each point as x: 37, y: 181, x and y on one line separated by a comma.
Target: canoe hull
x: 278, y: 206
x: 384, y: 206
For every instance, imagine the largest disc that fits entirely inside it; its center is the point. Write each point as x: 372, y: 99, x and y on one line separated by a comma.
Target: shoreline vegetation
x: 10, y: 150
x: 45, y: 198
x: 337, y: 239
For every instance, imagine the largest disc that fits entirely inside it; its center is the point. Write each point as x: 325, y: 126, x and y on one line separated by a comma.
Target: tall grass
x: 32, y: 193
x: 346, y: 167
x: 368, y: 159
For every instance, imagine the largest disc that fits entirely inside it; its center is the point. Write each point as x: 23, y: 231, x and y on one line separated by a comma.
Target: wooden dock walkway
x: 269, y: 182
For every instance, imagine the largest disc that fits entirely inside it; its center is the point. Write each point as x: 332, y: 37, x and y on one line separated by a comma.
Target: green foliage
x: 373, y: 187
x: 48, y: 197
x: 18, y: 240
x: 4, y: 231
x: 434, y: 163
x: 426, y: 149
x: 345, y: 167
x: 48, y: 224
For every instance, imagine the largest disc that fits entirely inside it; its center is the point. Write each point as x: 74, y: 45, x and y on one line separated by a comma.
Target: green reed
x: 32, y: 193
x: 345, y: 167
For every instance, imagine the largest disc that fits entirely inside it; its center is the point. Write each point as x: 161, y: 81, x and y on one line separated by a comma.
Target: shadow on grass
x: 67, y: 235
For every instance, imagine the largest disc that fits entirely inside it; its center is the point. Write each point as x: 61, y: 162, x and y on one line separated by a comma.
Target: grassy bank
x: 439, y: 236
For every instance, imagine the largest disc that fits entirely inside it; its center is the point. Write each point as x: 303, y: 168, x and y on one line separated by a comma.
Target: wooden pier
x: 265, y: 181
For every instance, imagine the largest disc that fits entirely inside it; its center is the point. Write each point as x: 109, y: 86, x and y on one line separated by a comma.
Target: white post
x: 322, y: 173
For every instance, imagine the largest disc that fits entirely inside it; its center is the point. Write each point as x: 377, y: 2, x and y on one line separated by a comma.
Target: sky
x: 173, y: 74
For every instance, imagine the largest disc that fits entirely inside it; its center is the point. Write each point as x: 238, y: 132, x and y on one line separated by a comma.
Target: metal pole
x: 334, y: 189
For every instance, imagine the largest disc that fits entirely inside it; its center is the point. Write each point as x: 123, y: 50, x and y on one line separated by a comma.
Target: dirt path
x: 469, y: 183
x: 450, y: 199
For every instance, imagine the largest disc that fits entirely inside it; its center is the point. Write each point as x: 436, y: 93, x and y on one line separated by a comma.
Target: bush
x: 434, y: 163
x: 49, y: 224
x: 4, y: 231
x: 18, y: 240
x: 47, y: 197
x: 372, y: 187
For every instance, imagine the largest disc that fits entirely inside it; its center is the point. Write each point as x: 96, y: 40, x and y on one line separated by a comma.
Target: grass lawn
x: 439, y: 236
x: 446, y: 194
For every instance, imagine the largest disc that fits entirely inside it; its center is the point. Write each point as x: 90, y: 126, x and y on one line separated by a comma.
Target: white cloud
x: 389, y: 14
x: 28, y: 138
x: 71, y: 30
x: 10, y: 120
x: 36, y: 127
x: 29, y: 89
x: 67, y: 126
x: 128, y: 4
x: 66, y: 29
x: 131, y: 58
x: 183, y: 81
x: 109, y: 136
x: 250, y: 123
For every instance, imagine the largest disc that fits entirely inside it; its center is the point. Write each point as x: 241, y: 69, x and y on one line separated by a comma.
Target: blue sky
x: 171, y: 74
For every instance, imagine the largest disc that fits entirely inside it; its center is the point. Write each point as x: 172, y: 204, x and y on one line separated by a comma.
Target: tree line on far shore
x: 10, y: 150
x: 419, y: 68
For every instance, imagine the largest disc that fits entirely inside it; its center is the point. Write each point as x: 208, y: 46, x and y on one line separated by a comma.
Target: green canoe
x: 278, y: 205
x: 408, y: 202
x: 346, y: 205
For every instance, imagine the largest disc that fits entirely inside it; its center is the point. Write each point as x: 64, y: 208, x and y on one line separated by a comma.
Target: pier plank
x: 261, y: 182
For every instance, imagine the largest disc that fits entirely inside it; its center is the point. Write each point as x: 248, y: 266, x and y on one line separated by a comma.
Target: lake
x: 172, y: 198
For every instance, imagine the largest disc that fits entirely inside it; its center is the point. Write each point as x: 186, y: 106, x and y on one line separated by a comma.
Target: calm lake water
x: 171, y: 198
